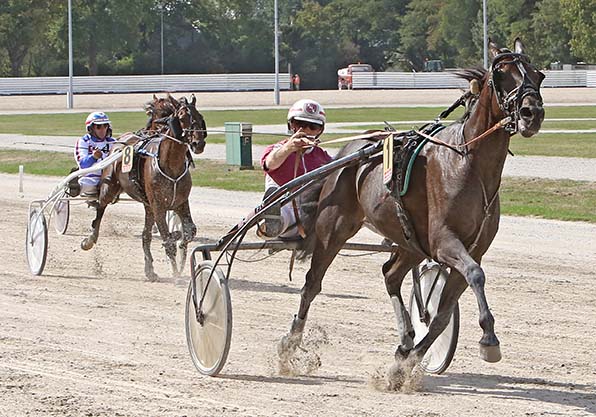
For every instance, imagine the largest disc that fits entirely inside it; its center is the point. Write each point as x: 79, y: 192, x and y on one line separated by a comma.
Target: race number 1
x: 127, y: 154
x: 388, y: 159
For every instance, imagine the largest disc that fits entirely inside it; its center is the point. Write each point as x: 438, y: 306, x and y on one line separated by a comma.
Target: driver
x: 94, y: 146
x: 306, y: 120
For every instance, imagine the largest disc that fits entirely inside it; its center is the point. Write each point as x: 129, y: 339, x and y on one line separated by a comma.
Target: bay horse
x: 162, y: 180
x: 452, y: 204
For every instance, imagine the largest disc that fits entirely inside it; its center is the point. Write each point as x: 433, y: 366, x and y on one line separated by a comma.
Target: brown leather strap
x: 299, y: 225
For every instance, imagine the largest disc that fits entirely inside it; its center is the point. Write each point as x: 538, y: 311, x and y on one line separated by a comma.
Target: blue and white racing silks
x: 84, y: 156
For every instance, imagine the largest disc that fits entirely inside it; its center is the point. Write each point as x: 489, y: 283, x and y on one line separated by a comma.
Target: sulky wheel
x: 61, y: 216
x: 209, y: 333
x: 36, y: 245
x: 440, y: 354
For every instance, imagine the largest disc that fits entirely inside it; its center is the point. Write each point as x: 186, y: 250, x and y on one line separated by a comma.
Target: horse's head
x: 516, y: 84
x: 192, y: 123
x: 158, y: 110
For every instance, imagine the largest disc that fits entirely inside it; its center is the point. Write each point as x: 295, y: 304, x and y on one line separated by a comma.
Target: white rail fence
x: 256, y: 82
x: 143, y: 83
x: 391, y: 80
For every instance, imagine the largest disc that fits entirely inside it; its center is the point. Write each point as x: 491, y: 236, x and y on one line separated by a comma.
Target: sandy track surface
x: 92, y: 337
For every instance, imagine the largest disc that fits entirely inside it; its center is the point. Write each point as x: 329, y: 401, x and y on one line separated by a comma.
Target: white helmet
x: 308, y: 111
x: 97, y: 118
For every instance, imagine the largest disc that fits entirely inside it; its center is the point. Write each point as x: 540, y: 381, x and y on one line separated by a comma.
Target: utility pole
x: 485, y: 32
x: 276, y: 46
x: 69, y: 98
x: 161, y: 38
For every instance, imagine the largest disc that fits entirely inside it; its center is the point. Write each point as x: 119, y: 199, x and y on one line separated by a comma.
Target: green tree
x: 579, y: 17
x: 22, y: 25
x: 107, y: 32
x: 551, y: 36
x: 419, y: 26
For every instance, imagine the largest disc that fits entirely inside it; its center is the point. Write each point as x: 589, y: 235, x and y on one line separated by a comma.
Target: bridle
x: 181, y: 134
x: 510, y: 103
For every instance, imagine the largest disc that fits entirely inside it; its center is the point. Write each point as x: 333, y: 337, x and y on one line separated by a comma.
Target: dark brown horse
x: 161, y: 180
x: 452, y: 203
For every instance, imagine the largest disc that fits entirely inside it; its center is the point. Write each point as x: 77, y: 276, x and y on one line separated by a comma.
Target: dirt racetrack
x: 91, y: 337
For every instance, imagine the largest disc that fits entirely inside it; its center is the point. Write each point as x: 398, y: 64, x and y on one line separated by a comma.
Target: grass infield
x: 550, y: 199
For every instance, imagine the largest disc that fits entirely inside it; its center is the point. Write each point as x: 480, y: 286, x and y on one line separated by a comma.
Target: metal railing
x: 143, y: 83
x: 447, y: 79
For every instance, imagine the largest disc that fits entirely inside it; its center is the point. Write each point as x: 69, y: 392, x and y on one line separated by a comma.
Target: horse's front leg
x: 394, y: 270
x: 335, y: 225
x: 91, y: 240
x: 455, y: 254
x: 108, y: 191
x: 147, y: 236
x: 189, y: 231
x: 169, y: 241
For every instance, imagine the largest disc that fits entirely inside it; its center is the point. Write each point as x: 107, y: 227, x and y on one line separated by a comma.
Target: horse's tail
x: 309, y: 204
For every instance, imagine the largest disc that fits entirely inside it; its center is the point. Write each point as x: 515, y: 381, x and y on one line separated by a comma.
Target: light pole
x: 485, y: 32
x: 69, y: 100
x: 275, y: 29
x: 161, y: 38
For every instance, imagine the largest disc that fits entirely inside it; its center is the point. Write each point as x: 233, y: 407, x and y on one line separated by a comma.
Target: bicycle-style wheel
x: 36, y: 245
x: 61, y: 216
x: 209, y: 336
x: 432, y: 280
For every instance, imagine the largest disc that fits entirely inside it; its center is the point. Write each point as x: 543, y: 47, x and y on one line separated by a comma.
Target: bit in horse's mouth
x: 527, y: 131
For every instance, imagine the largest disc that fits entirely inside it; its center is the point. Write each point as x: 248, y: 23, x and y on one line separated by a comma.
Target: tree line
x: 316, y: 36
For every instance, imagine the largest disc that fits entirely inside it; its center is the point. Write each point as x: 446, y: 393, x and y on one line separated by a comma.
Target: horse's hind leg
x: 147, y: 235
x: 457, y: 256
x: 453, y: 289
x: 394, y: 270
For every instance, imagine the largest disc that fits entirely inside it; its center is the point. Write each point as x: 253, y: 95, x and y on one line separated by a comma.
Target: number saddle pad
x: 406, y: 147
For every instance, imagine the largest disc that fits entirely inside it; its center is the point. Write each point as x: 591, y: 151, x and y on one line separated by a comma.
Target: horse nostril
x: 526, y: 113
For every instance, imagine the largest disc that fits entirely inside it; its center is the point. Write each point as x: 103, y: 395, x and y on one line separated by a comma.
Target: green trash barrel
x: 239, y: 144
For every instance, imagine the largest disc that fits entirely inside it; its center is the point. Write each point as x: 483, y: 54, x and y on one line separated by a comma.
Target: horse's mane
x: 164, y: 106
x: 478, y: 74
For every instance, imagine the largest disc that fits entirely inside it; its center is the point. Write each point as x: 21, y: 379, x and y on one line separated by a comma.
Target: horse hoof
x: 87, y: 244
x: 152, y: 276
x: 288, y: 344
x: 401, y: 353
x: 490, y: 353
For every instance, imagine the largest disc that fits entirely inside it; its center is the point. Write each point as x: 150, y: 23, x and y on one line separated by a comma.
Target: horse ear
x: 173, y: 100
x: 154, y: 97
x: 493, y: 49
x: 518, y: 46
x: 193, y: 99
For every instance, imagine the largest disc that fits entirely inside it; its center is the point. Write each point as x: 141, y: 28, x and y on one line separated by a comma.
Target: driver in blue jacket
x: 93, y: 147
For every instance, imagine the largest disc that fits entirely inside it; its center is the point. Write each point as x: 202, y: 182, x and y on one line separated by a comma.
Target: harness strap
x: 487, y: 206
x: 174, y: 180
